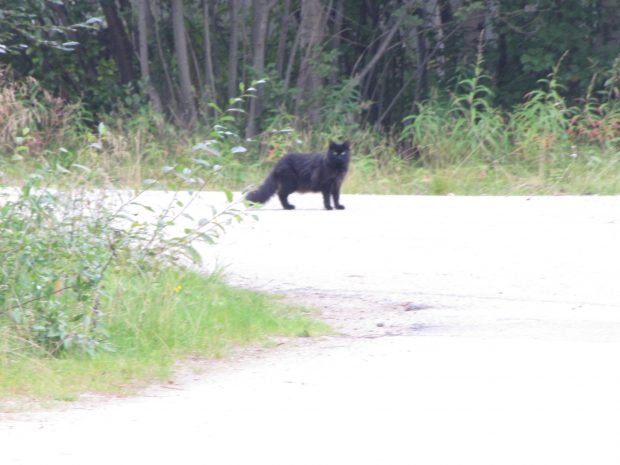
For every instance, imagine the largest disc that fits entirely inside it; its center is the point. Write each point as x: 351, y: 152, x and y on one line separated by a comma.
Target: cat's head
x: 339, y: 153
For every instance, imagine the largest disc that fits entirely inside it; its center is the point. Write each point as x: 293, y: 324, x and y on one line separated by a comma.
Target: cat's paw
x: 289, y: 207
x: 328, y: 207
x: 340, y: 207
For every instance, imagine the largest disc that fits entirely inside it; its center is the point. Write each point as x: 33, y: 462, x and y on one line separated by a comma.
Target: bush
x: 57, y: 246
x: 55, y: 255
x: 31, y: 117
x: 543, y: 135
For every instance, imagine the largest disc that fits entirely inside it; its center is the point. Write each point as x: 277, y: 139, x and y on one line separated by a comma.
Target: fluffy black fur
x: 307, y: 172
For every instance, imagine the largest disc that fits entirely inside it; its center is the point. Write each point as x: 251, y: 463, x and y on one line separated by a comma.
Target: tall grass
x: 543, y: 146
x: 455, y: 142
x: 464, y: 128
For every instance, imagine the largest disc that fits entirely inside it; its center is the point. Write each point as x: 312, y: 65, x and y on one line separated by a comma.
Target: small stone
x: 380, y: 324
x: 410, y: 307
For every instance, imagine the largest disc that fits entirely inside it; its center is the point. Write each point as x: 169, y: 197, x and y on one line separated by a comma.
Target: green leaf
x: 61, y: 169
x: 201, y: 162
x: 215, y: 107
x: 81, y: 167
x: 16, y: 315
x: 194, y: 255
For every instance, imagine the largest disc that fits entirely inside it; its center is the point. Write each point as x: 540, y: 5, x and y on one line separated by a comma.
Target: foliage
x: 543, y: 133
x: 54, y: 258
x: 154, y: 317
x: 30, y: 117
x: 537, y: 34
x: 28, y: 26
x: 58, y: 246
x: 465, y: 127
x: 71, y: 49
x: 539, y: 125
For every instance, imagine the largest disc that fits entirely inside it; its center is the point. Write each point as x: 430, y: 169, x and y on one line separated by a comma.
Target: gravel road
x: 471, y: 330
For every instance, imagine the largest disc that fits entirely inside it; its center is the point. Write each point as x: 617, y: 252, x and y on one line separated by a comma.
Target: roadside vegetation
x: 97, y: 97
x: 459, y: 143
x: 152, y: 320
x: 97, y: 292
x: 476, y: 97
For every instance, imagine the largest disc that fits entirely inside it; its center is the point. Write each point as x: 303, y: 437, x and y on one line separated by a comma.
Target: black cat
x: 307, y: 172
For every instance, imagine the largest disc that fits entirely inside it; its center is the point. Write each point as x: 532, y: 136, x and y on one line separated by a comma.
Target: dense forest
x: 319, y: 59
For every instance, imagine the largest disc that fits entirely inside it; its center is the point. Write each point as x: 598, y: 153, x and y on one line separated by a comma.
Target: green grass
x: 154, y: 319
x: 571, y: 177
x: 459, y: 141
x: 595, y: 174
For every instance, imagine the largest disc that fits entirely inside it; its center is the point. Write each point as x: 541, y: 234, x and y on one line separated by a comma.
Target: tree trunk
x: 434, y: 14
x: 421, y: 86
x: 259, y: 39
x: 144, y: 55
x: 337, y: 40
x: 291, y: 61
x: 120, y: 45
x: 170, y: 97
x: 188, y: 108
x: 282, y: 38
x: 491, y: 14
x: 233, y: 50
x: 312, y: 31
x: 210, y: 94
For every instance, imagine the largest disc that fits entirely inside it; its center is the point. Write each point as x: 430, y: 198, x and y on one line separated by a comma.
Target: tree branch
x: 379, y: 53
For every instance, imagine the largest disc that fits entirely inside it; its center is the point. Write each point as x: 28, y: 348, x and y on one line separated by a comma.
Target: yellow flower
x: 178, y: 289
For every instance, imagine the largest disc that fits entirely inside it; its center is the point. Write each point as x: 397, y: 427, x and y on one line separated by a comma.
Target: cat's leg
x: 336, y: 196
x: 285, y: 190
x: 326, y: 201
x: 284, y: 201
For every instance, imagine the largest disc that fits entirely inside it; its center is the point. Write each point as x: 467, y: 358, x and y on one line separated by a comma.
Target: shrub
x: 55, y: 255
x: 57, y: 246
x: 31, y: 117
x: 465, y: 127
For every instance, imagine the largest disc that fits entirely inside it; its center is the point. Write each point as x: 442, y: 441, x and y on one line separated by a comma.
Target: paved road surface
x: 476, y: 330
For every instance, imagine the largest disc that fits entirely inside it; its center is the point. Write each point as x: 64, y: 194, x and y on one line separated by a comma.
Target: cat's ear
x: 346, y: 144
x: 332, y: 144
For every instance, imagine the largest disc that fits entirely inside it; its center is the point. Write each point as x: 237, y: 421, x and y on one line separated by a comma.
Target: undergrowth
x: 458, y: 142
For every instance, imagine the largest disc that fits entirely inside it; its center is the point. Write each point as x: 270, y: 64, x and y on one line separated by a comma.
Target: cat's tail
x: 265, y: 191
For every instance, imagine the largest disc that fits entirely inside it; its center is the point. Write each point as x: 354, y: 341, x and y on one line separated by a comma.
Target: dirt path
x: 472, y: 330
